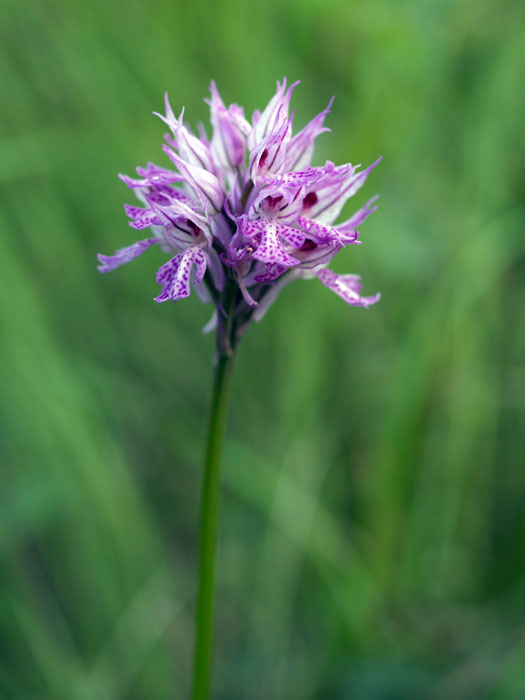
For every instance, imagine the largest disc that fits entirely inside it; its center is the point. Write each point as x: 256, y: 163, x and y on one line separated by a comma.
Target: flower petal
x: 312, y: 255
x: 347, y: 287
x: 300, y: 149
x: 270, y: 249
x: 143, y: 218
x: 298, y: 178
x: 358, y: 218
x: 280, y: 202
x: 322, y: 233
x: 190, y: 148
x: 176, y: 211
x: 228, y: 145
x: 205, y: 184
x: 266, y: 123
x: 269, y: 155
x: 124, y: 255
x: 266, y: 234
x: 166, y: 178
x: 333, y: 192
x: 291, y: 235
x: 272, y: 272
x: 174, y: 276
x: 238, y: 118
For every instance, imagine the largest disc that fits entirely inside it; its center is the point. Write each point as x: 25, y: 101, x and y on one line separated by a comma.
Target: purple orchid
x: 245, y: 208
x: 243, y: 215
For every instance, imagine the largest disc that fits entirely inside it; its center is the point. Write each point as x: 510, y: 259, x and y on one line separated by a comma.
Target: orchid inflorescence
x: 242, y: 216
x: 245, y: 231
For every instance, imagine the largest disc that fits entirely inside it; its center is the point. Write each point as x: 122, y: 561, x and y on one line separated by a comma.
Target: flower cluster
x: 245, y: 208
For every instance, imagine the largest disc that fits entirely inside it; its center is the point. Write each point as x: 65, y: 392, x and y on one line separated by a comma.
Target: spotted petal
x: 124, y: 255
x: 298, y: 178
x: 347, y: 287
x: 142, y: 218
x: 174, y: 276
x: 167, y: 177
x: 270, y: 249
x: 322, y: 233
x: 272, y: 272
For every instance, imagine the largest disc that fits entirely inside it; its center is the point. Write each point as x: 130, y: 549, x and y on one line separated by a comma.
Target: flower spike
x: 243, y: 215
x: 245, y: 207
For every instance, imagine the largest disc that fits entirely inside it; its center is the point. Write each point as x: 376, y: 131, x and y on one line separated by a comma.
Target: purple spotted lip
x: 245, y: 207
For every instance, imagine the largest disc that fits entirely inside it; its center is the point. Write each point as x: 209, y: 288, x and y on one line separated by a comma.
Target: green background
x: 372, y: 536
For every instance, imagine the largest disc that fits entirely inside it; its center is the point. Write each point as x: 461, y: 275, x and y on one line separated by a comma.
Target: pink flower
x: 245, y: 206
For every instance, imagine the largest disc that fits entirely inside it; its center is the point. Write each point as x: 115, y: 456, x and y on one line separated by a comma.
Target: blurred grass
x: 373, y: 530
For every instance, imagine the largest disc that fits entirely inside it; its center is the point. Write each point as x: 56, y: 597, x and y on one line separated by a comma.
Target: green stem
x: 210, y: 506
